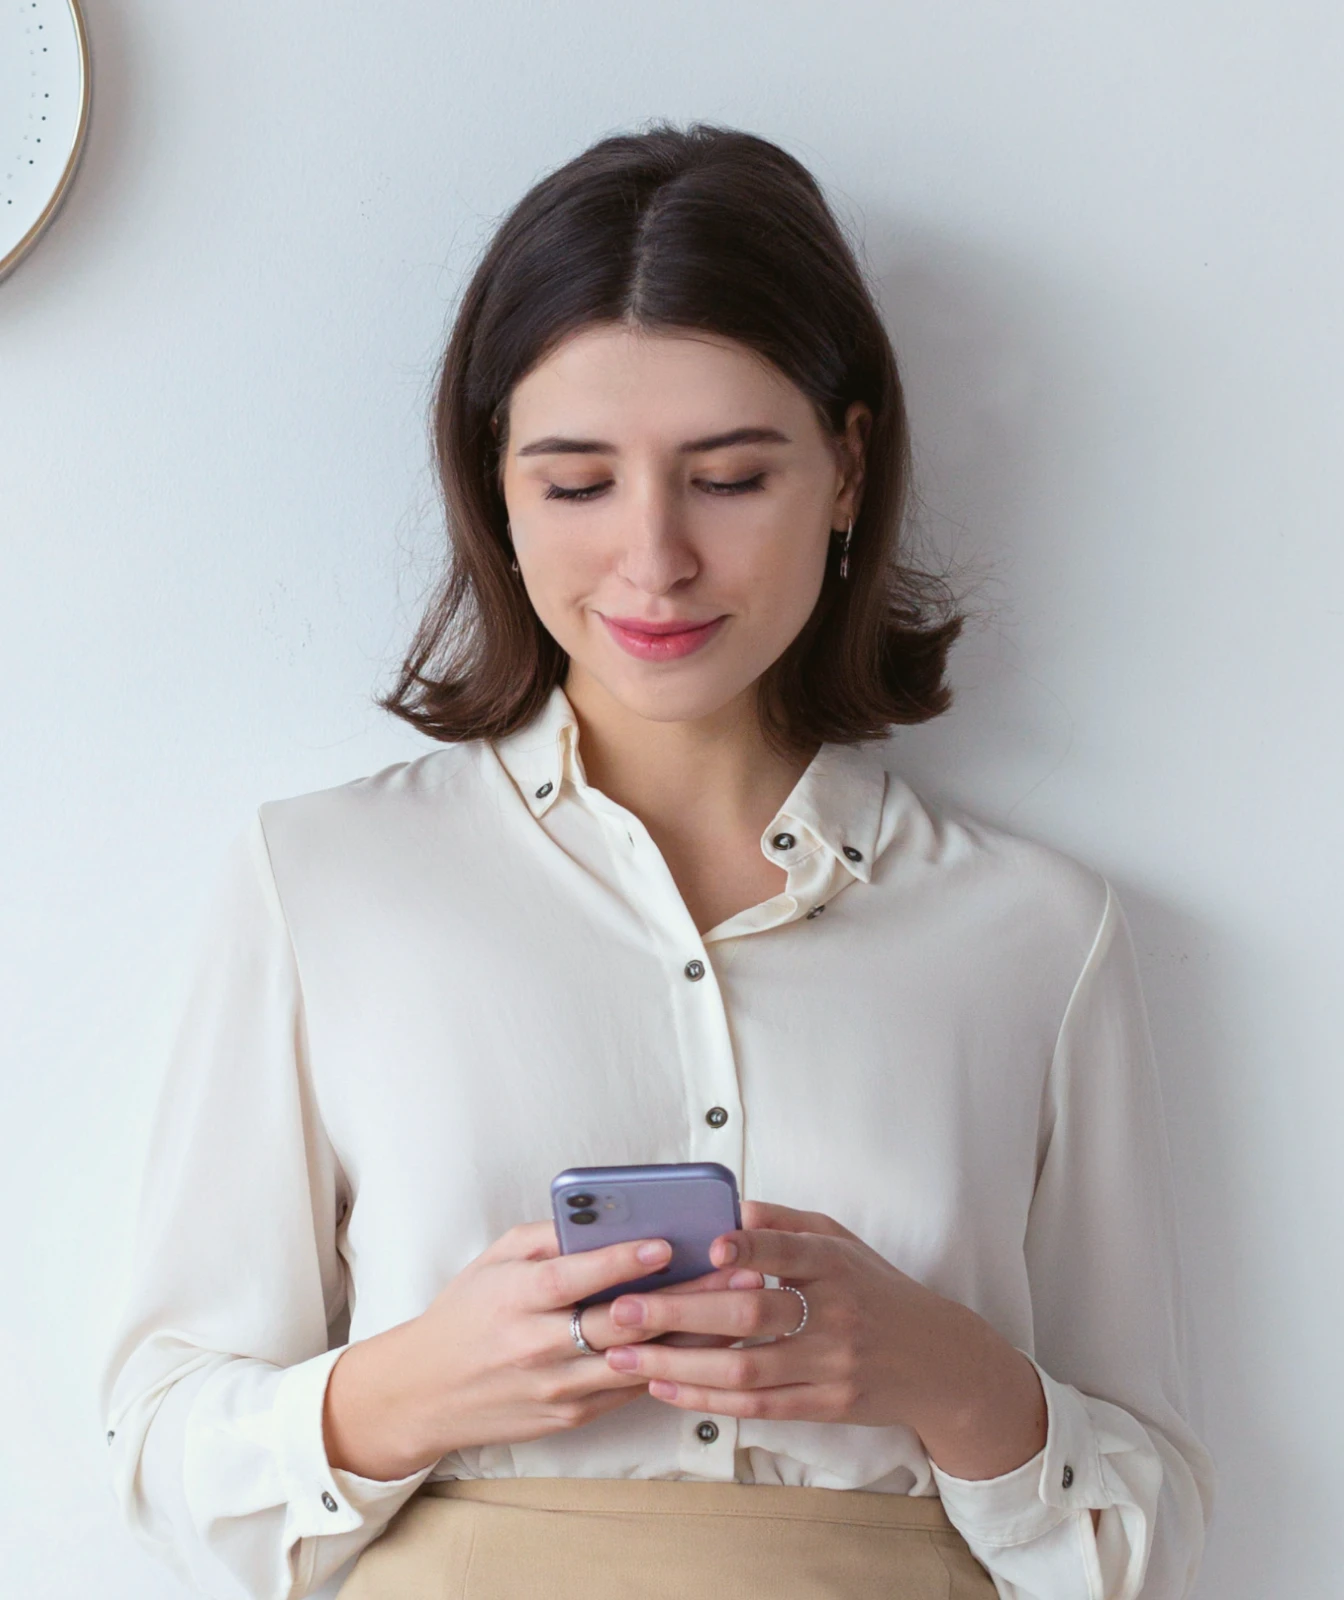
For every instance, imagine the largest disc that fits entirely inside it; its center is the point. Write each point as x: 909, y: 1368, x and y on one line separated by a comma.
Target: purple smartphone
x: 688, y: 1203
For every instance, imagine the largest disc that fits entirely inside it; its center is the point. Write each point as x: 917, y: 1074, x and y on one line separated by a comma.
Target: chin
x: 693, y: 698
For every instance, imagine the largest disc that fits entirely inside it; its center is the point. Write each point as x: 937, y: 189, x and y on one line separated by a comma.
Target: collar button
x: 783, y: 841
x: 852, y: 853
x: 545, y: 790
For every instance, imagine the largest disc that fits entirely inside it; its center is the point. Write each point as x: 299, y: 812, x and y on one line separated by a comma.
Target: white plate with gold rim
x: 44, y: 112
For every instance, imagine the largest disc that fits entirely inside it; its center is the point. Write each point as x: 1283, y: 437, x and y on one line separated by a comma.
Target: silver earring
x: 508, y: 531
x: 844, y: 550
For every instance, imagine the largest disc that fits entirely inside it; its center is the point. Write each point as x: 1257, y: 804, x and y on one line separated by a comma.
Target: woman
x: 660, y: 896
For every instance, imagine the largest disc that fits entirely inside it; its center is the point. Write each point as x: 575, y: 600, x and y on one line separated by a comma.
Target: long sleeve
x: 211, y: 1392
x: 1109, y: 1313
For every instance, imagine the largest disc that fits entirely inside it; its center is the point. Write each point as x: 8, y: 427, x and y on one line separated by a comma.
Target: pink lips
x: 660, y: 641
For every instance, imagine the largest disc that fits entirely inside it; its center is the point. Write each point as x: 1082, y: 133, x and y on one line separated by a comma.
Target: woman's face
x: 672, y: 479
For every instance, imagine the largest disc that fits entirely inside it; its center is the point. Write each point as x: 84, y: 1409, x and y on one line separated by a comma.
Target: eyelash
x: 741, y: 486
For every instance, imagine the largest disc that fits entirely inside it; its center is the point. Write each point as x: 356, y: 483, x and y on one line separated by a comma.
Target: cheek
x: 565, y: 566
x: 781, y: 579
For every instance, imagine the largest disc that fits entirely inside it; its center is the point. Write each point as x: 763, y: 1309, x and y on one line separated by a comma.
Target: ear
x: 853, y: 447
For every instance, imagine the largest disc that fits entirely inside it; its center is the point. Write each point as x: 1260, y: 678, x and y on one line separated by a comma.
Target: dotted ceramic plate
x: 44, y: 110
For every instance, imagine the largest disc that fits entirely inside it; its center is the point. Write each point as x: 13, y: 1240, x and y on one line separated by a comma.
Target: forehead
x: 626, y: 382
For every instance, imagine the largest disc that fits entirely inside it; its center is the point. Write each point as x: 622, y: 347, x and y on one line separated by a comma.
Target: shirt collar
x: 540, y: 756
x: 836, y: 803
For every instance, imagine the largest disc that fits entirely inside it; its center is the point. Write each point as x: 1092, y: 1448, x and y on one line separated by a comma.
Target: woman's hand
x: 491, y: 1359
x: 879, y: 1347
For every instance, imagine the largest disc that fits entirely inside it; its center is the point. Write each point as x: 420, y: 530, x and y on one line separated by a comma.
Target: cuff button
x: 1068, y: 1477
x: 328, y: 1501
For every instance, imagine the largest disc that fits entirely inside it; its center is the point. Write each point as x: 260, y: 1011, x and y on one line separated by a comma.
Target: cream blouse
x: 421, y: 994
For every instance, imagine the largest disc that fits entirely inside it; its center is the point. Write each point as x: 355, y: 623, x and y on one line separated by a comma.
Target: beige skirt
x: 664, y: 1539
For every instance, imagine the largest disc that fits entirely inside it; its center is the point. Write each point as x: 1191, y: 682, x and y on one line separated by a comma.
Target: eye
x: 555, y: 492
x: 742, y: 486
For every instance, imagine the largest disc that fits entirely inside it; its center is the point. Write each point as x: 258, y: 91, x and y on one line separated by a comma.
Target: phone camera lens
x: 578, y: 1200
x: 583, y: 1216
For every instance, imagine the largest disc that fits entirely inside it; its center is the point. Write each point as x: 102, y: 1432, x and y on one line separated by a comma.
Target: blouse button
x: 708, y: 1431
x: 694, y: 970
x: 545, y: 790
x: 783, y: 841
x: 852, y: 853
x: 816, y: 911
x: 112, y: 1435
x: 1068, y: 1477
x: 716, y: 1116
x: 328, y: 1501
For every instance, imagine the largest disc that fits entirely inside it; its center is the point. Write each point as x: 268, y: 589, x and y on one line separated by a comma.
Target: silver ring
x: 789, y: 1289
x: 576, y: 1333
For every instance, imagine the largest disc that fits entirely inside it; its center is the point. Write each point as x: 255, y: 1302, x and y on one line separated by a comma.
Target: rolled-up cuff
x: 1062, y: 1478
x: 324, y: 1499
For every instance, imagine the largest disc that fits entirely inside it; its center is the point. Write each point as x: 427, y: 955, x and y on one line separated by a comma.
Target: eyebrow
x: 554, y: 444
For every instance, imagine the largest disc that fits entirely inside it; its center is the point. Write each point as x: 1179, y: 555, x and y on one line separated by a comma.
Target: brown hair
x: 706, y: 228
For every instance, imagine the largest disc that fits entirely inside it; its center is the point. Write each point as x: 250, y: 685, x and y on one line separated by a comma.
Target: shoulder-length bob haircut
x: 702, y: 228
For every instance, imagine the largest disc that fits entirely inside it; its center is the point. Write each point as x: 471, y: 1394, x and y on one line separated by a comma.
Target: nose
x: 655, y: 553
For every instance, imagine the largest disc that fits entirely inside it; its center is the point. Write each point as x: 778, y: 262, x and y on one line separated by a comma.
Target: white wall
x: 1109, y: 240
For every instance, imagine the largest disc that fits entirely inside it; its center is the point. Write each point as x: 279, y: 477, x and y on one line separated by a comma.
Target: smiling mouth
x: 637, y: 625
x: 660, y: 641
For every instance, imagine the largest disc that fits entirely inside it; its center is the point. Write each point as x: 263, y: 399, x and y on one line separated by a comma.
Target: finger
x: 800, y: 1256
x: 739, y: 1313
x: 525, y: 1241
x: 719, y: 1278
x: 597, y: 1405
x: 601, y: 1332
x: 561, y: 1280
x: 760, y: 1214
x: 585, y: 1375
x: 600, y: 1335
x: 766, y: 1366
x: 613, y: 1399
x: 787, y: 1402
x: 596, y: 1327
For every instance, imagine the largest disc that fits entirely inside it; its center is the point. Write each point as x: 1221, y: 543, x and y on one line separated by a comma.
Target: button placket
x: 716, y: 1132
x: 703, y: 1042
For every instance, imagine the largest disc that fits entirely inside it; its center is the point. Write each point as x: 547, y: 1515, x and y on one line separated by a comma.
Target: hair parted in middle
x: 702, y: 229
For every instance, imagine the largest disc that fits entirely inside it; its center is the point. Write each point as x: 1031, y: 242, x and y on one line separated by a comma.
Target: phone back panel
x: 688, y: 1203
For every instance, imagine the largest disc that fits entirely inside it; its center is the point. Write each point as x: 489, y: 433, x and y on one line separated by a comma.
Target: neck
x: 715, y: 775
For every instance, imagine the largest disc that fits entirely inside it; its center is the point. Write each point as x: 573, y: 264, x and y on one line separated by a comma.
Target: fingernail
x: 627, y: 1313
x: 624, y: 1357
x: 661, y: 1389
x: 657, y: 1250
x: 727, y: 1252
x: 746, y: 1279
